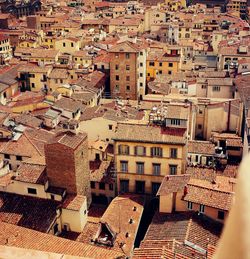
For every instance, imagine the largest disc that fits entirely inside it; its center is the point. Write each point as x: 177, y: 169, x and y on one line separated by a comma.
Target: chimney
x: 185, y: 191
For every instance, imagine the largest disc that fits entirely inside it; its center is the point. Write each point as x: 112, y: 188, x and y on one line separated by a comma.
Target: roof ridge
x: 188, y: 228
x: 25, y: 134
x: 207, y: 188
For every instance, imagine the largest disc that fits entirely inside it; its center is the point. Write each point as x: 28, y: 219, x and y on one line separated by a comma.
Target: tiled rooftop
x: 23, y: 237
x: 146, y: 133
x: 27, y: 211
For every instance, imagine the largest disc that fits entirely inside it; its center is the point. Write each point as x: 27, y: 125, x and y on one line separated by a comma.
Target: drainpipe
x: 228, y: 115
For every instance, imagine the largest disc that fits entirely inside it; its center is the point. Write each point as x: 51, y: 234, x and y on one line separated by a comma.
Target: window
x: 117, y: 88
x: 19, y: 158
x: 190, y: 205
x: 140, y: 187
x: 124, y: 186
x: 139, y: 167
x: 127, y: 78
x: 55, y: 229
x: 110, y: 126
x: 173, y: 152
x: 202, y: 208
x: 216, y: 88
x: 140, y: 151
x: 92, y: 185
x: 64, y: 44
x: 170, y: 72
x: 124, y: 166
x: 155, y: 188
x: 175, y: 122
x: 156, y: 151
x: 199, y: 126
x: 141, y: 53
x: 170, y: 64
x: 173, y: 169
x: 32, y: 191
x: 111, y: 187
x: 151, y: 63
x: 221, y: 214
x: 6, y: 156
x: 127, y: 67
x: 116, y: 67
x: 127, y: 56
x: 160, y: 64
x: 160, y: 72
x: 123, y: 150
x: 127, y: 87
x: 102, y: 186
x: 156, y: 169
x: 141, y: 64
x: 117, y: 78
x: 141, y: 74
x: 32, y: 85
x: 72, y: 44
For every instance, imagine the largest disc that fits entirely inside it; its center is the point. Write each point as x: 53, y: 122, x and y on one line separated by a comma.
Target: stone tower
x: 68, y: 164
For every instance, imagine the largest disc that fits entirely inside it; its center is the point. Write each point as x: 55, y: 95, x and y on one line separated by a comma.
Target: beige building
x: 182, y: 193
x: 144, y: 154
x: 5, y: 48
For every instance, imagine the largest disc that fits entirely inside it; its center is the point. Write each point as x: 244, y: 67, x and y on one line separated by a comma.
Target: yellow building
x: 129, y: 24
x: 38, y: 55
x: 160, y: 63
x: 57, y: 78
x: 238, y: 7
x: 185, y: 30
x: 145, y: 154
x: 175, y: 5
x: 68, y: 45
x: 82, y: 59
x: 28, y: 43
x: 34, y: 78
x: 49, y: 42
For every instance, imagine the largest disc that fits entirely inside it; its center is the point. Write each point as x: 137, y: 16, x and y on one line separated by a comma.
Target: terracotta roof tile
x: 167, y: 233
x: 173, y: 183
x: 73, y: 202
x: 146, y: 133
x: 31, y: 173
x: 27, y: 211
x: 201, y: 147
x: 117, y: 216
x: 23, y: 237
x: 208, y: 196
x: 68, y: 139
